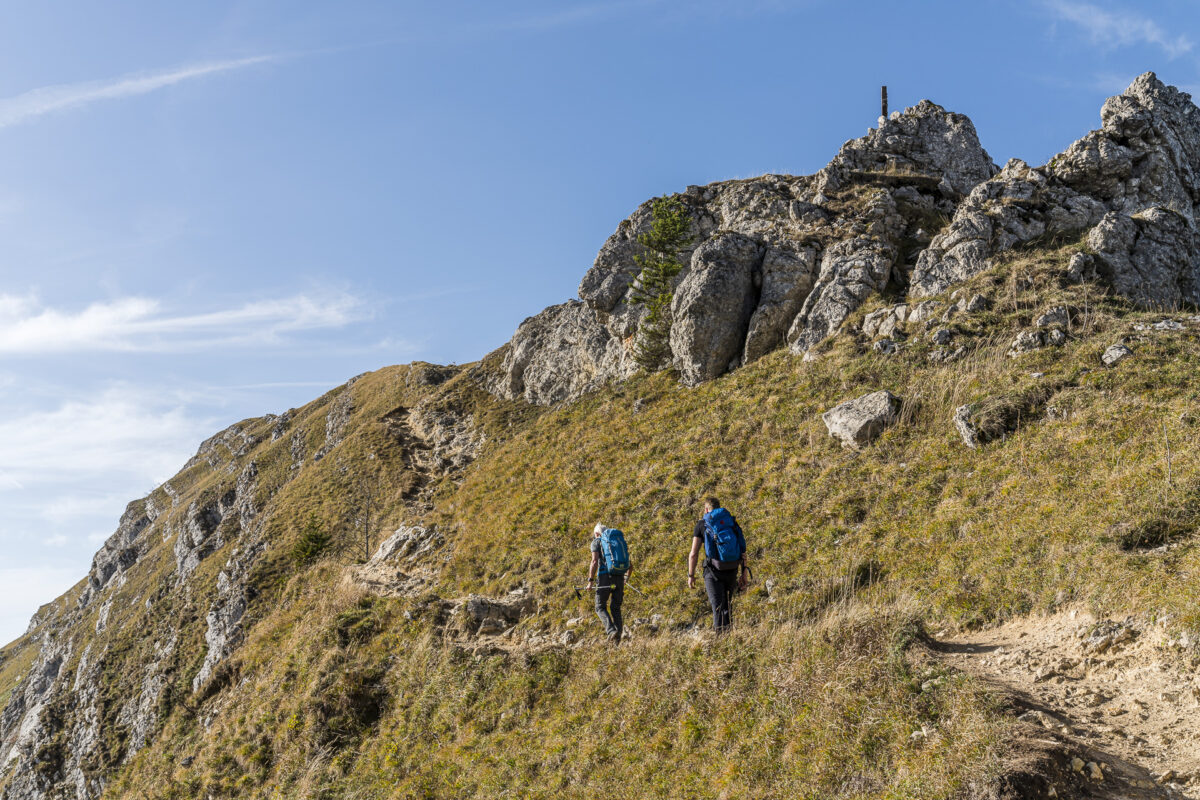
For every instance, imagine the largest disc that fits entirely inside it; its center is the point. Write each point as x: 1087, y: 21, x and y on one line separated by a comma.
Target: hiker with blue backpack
x: 607, y: 573
x: 725, y: 568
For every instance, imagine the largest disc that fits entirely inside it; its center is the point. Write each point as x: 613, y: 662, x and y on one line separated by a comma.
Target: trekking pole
x: 639, y: 591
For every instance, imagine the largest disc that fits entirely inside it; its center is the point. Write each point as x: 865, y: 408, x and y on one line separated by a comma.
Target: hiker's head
x: 711, y: 504
x: 599, y: 529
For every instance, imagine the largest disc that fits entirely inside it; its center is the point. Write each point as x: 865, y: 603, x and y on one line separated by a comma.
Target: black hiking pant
x: 721, y: 585
x: 610, y: 591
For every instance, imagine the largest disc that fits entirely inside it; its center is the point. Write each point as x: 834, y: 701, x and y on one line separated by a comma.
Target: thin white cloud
x: 124, y: 435
x: 48, y: 99
x: 139, y: 324
x: 561, y: 18
x: 1118, y: 28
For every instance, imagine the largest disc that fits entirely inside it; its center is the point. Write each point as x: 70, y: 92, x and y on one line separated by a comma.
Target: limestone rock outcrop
x: 712, y: 306
x: 772, y: 260
x: 560, y: 354
x: 1135, y: 183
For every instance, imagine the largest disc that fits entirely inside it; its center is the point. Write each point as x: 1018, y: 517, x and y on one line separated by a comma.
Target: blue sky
x: 210, y: 211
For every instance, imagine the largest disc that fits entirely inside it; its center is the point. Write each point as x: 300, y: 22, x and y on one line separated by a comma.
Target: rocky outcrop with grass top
x: 1134, y: 183
x: 773, y: 261
x: 912, y: 208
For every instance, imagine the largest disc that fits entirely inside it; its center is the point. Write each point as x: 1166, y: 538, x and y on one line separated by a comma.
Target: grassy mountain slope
x: 1091, y: 496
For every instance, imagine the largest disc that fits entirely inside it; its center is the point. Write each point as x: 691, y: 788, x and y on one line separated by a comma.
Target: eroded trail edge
x: 1126, y: 690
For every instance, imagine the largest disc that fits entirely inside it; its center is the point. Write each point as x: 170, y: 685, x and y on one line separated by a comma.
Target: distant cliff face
x: 912, y: 207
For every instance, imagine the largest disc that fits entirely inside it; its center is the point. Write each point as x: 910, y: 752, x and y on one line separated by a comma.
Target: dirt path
x: 1117, y: 689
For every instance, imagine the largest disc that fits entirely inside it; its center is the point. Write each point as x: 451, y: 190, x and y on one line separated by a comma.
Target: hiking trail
x: 1117, y: 690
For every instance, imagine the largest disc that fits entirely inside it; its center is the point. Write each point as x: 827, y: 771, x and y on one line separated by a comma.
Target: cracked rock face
x: 773, y: 260
x: 713, y: 305
x: 1150, y: 258
x: 924, y: 139
x: 121, y: 551
x: 1135, y: 183
x: 560, y: 354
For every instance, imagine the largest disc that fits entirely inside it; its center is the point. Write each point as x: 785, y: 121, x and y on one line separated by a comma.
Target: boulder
x: 884, y: 321
x: 407, y: 544
x: 941, y: 336
x: 1081, y: 267
x: 966, y: 427
x: 976, y: 304
x: 1115, y: 354
x: 1057, y: 316
x: 857, y: 423
x: 483, y: 615
x: 1026, y: 342
x: 788, y: 275
x: 851, y: 271
x: 712, y: 307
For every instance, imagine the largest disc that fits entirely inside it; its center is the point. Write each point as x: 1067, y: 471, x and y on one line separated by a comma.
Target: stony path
x: 1115, y: 688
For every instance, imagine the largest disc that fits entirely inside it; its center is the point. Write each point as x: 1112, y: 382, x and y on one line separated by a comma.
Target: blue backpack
x: 614, y: 550
x: 724, y: 543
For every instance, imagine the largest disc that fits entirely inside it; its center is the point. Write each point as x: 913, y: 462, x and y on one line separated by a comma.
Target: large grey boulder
x: 856, y: 423
x: 1143, y: 165
x: 712, y: 307
x: 1115, y: 354
x: 851, y: 271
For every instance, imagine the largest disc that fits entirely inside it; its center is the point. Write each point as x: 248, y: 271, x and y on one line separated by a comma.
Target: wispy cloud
x: 140, y: 324
x: 560, y: 18
x: 124, y: 433
x: 47, y: 99
x: 1118, y: 28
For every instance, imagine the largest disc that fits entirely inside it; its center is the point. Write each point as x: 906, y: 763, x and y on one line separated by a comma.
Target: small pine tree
x: 669, y: 235
x: 313, y: 541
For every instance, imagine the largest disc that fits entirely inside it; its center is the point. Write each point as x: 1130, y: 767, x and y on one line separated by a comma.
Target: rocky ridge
x: 911, y: 208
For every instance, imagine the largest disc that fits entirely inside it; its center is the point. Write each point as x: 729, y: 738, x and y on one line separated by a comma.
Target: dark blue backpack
x: 614, y: 550
x: 724, y: 543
